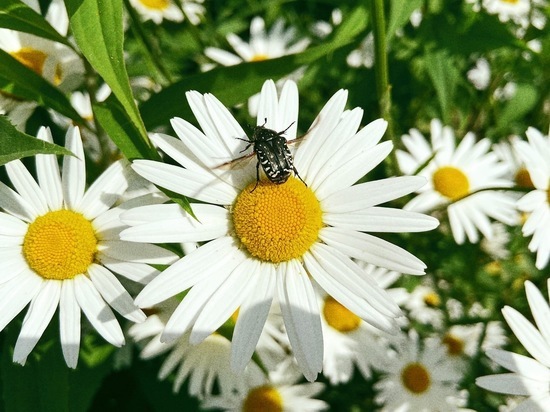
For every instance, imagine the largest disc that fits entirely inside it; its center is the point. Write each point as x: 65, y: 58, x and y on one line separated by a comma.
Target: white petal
x: 528, y: 335
x: 512, y: 384
x: 15, y: 205
x: 225, y: 300
x: 369, y: 194
x: 27, y: 187
x: 97, y: 311
x: 301, y: 317
x: 36, y: 320
x: 12, y: 263
x: 539, y: 309
x: 12, y: 226
x: 198, y: 185
x: 137, y: 272
x: 136, y: 252
x: 74, y: 169
x: 114, y: 293
x: 252, y: 317
x: 105, y: 191
x: 204, y: 262
x: 520, y: 364
x: 47, y: 171
x: 382, y: 219
x: 16, y: 293
x: 352, y: 287
x: 69, y: 324
x: 373, y: 250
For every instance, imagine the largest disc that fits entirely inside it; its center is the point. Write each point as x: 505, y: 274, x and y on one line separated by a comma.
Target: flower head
x: 268, y: 240
x: 60, y: 247
x: 457, y: 175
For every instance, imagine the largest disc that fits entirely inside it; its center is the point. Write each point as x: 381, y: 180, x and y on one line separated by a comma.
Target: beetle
x: 272, y: 153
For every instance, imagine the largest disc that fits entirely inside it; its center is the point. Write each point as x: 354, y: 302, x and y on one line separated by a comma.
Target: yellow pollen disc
x: 415, y: 378
x: 451, y: 182
x: 58, y: 75
x: 277, y: 223
x: 263, y: 399
x: 339, y: 317
x: 455, y: 345
x: 33, y: 59
x: 523, y: 178
x: 510, y: 1
x: 155, y: 4
x: 60, y: 245
x: 259, y: 58
x: 493, y: 268
x: 432, y: 299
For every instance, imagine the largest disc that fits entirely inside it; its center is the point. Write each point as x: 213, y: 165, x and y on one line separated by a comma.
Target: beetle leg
x: 257, y: 176
x: 296, y: 173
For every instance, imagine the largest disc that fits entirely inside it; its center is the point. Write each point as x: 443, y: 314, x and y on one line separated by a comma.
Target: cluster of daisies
x: 265, y: 284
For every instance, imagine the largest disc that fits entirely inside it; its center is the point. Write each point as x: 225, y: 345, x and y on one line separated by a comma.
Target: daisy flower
x: 203, y: 365
x: 424, y: 306
x: 534, y: 154
x: 480, y: 75
x: 262, y: 45
x: 529, y: 376
x: 268, y: 393
x: 418, y: 379
x: 456, y: 174
x: 158, y: 10
x: 515, y: 10
x: 60, y: 246
x: 267, y: 239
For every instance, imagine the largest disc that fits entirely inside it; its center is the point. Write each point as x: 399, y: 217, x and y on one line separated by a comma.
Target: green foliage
x: 15, y: 144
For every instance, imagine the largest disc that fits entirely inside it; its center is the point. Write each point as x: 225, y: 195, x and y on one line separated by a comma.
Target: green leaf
x: 97, y: 28
x: 115, y: 121
x: 18, y: 16
x: 235, y: 84
x: 400, y: 12
x: 523, y: 102
x: 20, y: 81
x: 15, y: 144
x: 444, y: 75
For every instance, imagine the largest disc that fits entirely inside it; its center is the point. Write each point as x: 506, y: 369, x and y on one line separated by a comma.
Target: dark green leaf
x: 17, y: 79
x: 15, y: 144
x: 523, y: 102
x: 18, y: 16
x: 444, y: 76
x: 400, y: 12
x: 97, y: 28
x: 120, y: 128
x: 234, y: 84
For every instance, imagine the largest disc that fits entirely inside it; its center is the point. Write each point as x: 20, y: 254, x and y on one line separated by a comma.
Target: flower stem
x: 383, y: 88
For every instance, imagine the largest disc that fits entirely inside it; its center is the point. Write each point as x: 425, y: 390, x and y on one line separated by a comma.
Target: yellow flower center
x: 60, y: 245
x: 455, y: 345
x: 263, y: 399
x: 510, y: 1
x: 259, y: 58
x: 451, y: 182
x: 523, y: 178
x: 58, y: 75
x: 155, y: 4
x: 415, y: 378
x: 432, y: 299
x: 32, y: 58
x: 339, y: 317
x: 277, y: 223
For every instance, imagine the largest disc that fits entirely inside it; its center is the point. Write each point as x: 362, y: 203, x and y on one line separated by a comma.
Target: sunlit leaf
x: 15, y: 144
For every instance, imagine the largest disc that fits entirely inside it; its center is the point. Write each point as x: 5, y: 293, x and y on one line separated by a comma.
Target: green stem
x: 383, y: 88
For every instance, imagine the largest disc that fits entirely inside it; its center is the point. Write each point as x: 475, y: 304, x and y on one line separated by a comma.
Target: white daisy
x: 529, y: 377
x: 267, y: 239
x: 204, y: 365
x: 534, y: 154
x: 262, y: 45
x: 57, y: 63
x: 424, y: 306
x: 158, y: 10
x: 364, y: 54
x: 456, y: 176
x: 60, y: 246
x: 515, y: 10
x: 418, y: 379
x: 265, y: 393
